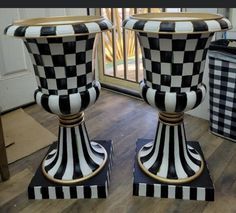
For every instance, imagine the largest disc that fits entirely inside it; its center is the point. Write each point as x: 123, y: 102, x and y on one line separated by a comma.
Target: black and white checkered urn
x: 174, y: 48
x: 62, y: 53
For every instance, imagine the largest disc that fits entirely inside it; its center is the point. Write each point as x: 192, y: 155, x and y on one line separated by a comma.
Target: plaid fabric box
x: 222, y: 82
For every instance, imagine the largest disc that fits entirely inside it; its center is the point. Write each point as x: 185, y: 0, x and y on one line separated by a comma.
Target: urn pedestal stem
x: 169, y: 159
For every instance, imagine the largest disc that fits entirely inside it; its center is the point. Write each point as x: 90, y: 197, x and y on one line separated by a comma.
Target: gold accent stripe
x: 178, y: 17
x: 68, y: 182
x: 171, y: 124
x: 171, y: 118
x: 71, y: 120
x: 172, y: 115
x: 58, y: 20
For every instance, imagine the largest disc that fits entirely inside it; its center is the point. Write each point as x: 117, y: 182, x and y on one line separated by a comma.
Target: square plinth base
x: 199, y: 189
x: 95, y: 187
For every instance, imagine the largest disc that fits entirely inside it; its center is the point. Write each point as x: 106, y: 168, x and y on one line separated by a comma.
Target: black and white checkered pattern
x: 174, y: 63
x: 62, y: 65
x: 222, y: 80
x: 178, y: 27
x: 60, y: 30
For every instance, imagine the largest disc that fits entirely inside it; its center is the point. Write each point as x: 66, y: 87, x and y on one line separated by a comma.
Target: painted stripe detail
x: 73, y: 192
x: 174, y: 192
x: 68, y: 104
x: 173, y: 102
x: 169, y: 156
x: 75, y: 156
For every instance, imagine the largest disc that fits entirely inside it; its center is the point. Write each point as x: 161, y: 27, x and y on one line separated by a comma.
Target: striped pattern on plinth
x: 175, y: 192
x: 180, y: 26
x: 58, y: 30
x: 169, y: 156
x: 73, y: 192
x: 171, y: 101
x: 68, y: 104
x: 75, y: 157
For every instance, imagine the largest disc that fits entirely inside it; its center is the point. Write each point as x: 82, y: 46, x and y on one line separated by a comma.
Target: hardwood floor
x: 125, y: 119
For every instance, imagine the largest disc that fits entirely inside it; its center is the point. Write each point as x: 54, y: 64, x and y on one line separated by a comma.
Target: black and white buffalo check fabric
x: 222, y: 80
x: 174, y: 62
x: 62, y: 65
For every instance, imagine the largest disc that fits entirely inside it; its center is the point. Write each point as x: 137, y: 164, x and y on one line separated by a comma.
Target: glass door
x: 119, y: 54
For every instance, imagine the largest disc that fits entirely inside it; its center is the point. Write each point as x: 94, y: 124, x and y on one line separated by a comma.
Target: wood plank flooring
x: 124, y: 119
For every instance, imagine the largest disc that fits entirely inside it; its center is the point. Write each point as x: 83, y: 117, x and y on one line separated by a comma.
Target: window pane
x: 173, y: 10
x: 119, y: 42
x: 122, y: 53
x: 108, y: 46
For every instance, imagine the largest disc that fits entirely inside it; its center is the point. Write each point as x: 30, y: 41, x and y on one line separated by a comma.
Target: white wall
x: 232, y: 16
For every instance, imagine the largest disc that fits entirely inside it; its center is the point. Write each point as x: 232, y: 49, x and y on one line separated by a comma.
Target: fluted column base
x: 168, y: 158
x: 97, y: 186
x: 74, y: 167
x: 200, y: 188
x: 75, y: 158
